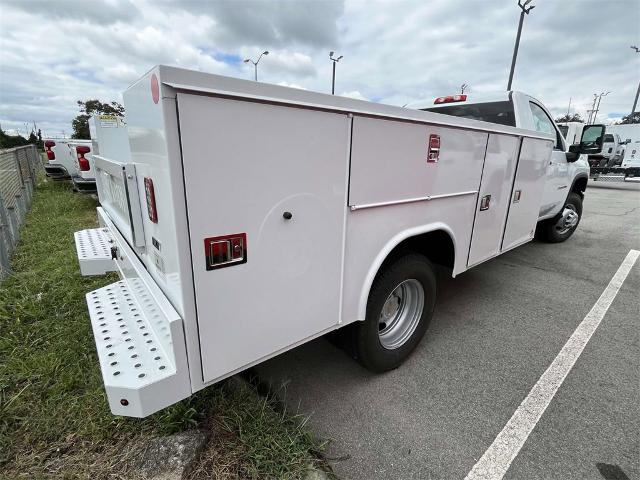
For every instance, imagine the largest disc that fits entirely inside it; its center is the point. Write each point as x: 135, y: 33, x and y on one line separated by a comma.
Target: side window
x: 542, y: 123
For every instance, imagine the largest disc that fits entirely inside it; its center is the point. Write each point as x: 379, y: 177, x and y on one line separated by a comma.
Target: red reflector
x: 155, y: 89
x: 82, y: 149
x: 450, y: 99
x: 151, y: 200
x: 434, y: 148
x: 49, y: 143
x: 225, y: 251
x: 51, y: 155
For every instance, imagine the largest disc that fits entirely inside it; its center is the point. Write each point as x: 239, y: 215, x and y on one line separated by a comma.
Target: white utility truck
x: 626, y: 167
x: 251, y: 218
x: 61, y: 162
x: 566, y: 182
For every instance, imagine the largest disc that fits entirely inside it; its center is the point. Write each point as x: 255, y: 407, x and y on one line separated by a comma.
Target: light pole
x: 255, y: 64
x: 463, y: 87
x: 333, y: 77
x: 596, y: 108
x: 635, y: 102
x: 525, y: 10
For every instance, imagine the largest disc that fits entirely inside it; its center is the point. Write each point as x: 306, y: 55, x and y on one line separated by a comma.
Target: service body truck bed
x: 251, y: 218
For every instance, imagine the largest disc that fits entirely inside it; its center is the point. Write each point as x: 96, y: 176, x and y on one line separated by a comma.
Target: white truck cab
x: 566, y: 173
x: 249, y: 218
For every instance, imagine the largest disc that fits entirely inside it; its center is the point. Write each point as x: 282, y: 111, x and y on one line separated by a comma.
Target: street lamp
x: 635, y: 102
x: 255, y: 64
x: 525, y: 10
x: 333, y: 78
x: 596, y: 107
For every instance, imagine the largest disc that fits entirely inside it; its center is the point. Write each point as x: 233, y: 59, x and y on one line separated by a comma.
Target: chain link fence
x: 19, y: 167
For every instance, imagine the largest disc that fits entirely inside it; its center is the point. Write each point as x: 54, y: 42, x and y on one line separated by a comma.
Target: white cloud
x: 354, y: 94
x: 58, y: 51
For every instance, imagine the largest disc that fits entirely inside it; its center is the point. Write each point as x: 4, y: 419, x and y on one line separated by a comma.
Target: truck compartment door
x: 278, y: 175
x: 527, y: 192
x: 493, y: 198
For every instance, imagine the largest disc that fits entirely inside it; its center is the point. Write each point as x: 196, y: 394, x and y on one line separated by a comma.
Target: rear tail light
x: 434, y: 148
x: 450, y: 99
x: 83, y: 163
x: 47, y: 148
x: 151, y: 200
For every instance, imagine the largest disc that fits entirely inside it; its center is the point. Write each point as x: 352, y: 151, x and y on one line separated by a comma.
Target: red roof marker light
x: 155, y: 89
x: 450, y: 99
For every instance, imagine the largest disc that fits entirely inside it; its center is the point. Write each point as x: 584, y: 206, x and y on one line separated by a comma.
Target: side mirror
x: 591, y: 141
x: 573, y: 154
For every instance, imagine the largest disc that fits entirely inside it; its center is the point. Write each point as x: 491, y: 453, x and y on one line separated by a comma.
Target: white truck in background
x: 110, y: 131
x: 250, y: 218
x: 567, y: 173
x: 626, y: 165
x: 572, y: 131
x: 61, y: 159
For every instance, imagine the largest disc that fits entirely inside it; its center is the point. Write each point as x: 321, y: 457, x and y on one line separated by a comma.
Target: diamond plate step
x: 135, y: 340
x: 93, y: 248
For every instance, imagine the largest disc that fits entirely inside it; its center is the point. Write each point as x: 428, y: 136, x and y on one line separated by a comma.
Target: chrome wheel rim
x: 568, y: 219
x: 400, y: 314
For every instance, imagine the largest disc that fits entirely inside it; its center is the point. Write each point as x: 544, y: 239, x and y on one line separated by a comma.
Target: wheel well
x: 579, y: 186
x: 437, y: 246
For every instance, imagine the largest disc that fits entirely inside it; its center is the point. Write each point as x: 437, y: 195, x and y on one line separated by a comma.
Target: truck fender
x: 388, y: 248
x: 580, y: 177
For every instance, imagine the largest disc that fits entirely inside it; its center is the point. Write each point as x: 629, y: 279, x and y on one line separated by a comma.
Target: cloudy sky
x: 56, y: 52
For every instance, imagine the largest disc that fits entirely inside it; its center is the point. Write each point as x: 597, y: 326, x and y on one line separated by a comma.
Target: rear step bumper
x: 138, y: 334
x: 55, y: 171
x: 83, y: 185
x: 93, y: 248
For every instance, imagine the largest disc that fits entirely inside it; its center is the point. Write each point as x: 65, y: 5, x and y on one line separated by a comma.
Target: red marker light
x: 155, y: 89
x: 151, y: 200
x: 450, y: 99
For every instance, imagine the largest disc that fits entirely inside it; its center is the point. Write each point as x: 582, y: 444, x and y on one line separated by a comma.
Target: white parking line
x: 496, y: 460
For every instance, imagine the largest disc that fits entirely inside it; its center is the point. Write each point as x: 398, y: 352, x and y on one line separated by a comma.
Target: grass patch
x: 54, y: 418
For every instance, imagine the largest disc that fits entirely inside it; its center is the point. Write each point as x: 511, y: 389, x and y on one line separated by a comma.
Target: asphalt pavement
x: 496, y: 329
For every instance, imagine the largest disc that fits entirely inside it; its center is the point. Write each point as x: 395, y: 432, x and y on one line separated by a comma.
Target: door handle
x: 485, y: 202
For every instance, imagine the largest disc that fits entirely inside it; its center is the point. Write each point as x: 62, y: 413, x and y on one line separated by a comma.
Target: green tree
x: 9, y: 141
x: 629, y: 119
x: 80, y: 124
x: 570, y: 118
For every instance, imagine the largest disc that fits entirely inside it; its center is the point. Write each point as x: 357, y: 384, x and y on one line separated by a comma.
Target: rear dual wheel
x: 400, y: 307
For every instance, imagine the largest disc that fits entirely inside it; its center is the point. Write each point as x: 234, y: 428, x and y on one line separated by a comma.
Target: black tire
x: 367, y: 346
x: 548, y: 230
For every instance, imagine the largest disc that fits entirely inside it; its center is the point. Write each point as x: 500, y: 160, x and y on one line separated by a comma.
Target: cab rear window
x: 494, y: 112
